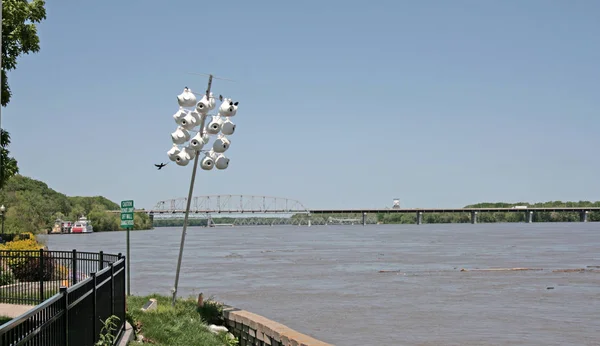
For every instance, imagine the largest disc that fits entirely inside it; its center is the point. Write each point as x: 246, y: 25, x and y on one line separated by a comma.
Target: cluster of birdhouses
x: 195, y: 127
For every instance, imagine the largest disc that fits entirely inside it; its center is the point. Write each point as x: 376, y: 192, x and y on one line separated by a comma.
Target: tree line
x: 493, y: 217
x: 411, y: 218
x: 31, y: 206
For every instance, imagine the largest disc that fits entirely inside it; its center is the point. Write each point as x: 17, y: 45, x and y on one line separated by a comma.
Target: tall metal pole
x: 128, y: 264
x: 189, y: 199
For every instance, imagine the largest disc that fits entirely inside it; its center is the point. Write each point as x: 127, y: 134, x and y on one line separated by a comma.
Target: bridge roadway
x: 583, y: 211
x: 368, y: 211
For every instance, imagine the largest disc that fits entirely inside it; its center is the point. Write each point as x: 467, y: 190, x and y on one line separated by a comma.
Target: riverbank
x: 198, y: 322
x: 184, y: 324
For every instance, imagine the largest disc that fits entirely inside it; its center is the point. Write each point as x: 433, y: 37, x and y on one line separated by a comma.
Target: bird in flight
x: 161, y: 165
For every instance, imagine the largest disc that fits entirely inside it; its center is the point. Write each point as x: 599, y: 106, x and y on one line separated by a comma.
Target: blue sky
x: 343, y: 104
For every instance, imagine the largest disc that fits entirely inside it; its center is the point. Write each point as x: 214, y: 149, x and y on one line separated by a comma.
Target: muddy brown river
x: 326, y: 281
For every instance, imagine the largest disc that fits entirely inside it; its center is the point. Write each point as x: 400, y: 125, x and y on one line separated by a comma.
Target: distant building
x: 61, y: 226
x: 396, y: 203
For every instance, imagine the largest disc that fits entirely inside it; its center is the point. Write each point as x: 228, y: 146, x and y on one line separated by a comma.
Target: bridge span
x: 252, y: 204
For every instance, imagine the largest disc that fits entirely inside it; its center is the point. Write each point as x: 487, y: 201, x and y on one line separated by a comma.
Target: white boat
x: 82, y: 225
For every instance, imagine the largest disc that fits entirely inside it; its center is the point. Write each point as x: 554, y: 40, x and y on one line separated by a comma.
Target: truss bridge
x: 265, y: 210
x: 231, y: 204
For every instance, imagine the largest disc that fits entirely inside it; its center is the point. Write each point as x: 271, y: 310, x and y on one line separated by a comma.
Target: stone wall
x: 252, y: 329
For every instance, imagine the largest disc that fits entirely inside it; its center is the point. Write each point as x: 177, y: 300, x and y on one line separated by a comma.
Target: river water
x: 325, y: 281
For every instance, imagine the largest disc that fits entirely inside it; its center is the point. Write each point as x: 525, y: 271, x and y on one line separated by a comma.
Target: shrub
x: 26, y: 236
x: 211, y: 312
x: 61, y: 273
x: 21, y: 245
x: 21, y: 250
x: 107, y: 337
x: 30, y: 268
x: 6, y: 276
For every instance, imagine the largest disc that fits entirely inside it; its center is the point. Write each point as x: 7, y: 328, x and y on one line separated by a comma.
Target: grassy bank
x: 184, y: 324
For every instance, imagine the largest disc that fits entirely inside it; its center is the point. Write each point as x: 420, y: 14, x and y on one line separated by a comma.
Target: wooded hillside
x: 32, y: 206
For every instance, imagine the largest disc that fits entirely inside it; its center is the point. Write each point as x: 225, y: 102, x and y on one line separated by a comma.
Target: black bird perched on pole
x: 161, y: 165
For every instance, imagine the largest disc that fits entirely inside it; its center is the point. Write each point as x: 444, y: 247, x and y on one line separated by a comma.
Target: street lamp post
x: 191, y: 117
x: 2, y: 211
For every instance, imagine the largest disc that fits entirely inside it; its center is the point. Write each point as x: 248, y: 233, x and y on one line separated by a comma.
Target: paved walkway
x: 14, y: 310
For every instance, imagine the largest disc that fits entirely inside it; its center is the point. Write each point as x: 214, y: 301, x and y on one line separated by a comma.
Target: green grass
x: 4, y: 319
x: 174, y: 326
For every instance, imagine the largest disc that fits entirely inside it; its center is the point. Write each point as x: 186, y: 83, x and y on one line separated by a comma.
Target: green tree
x: 76, y: 212
x: 103, y: 221
x: 8, y: 164
x: 32, y: 206
x: 19, y: 36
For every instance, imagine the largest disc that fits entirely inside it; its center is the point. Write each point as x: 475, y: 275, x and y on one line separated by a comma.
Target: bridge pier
x: 151, y: 217
x: 309, y: 220
x: 419, y: 217
x: 208, y: 220
x: 473, y: 217
x: 364, y: 219
x: 583, y: 215
x: 529, y: 215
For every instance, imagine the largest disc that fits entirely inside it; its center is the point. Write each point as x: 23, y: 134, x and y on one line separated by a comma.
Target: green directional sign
x: 126, y: 216
x: 127, y: 204
x: 126, y: 223
x: 127, y: 209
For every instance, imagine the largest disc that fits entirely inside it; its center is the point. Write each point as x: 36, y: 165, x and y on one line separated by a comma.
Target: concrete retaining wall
x: 252, y: 329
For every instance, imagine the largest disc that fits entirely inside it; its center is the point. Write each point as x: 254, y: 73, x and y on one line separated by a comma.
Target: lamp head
x: 2, y: 208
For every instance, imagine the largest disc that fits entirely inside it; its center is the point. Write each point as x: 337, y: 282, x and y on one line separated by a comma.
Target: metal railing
x: 74, y: 315
x: 32, y: 276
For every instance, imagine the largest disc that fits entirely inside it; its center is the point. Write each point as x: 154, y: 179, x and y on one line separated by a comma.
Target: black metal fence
x: 74, y: 315
x: 30, y: 277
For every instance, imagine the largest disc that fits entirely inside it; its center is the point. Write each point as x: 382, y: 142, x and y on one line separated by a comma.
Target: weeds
x: 107, y: 337
x: 181, y: 325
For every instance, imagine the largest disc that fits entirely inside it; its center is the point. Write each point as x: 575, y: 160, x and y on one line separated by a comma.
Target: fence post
x: 101, y: 261
x: 65, y: 306
x: 124, y: 293
x: 112, y: 289
x: 94, y: 323
x: 41, y: 274
x: 74, y: 267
